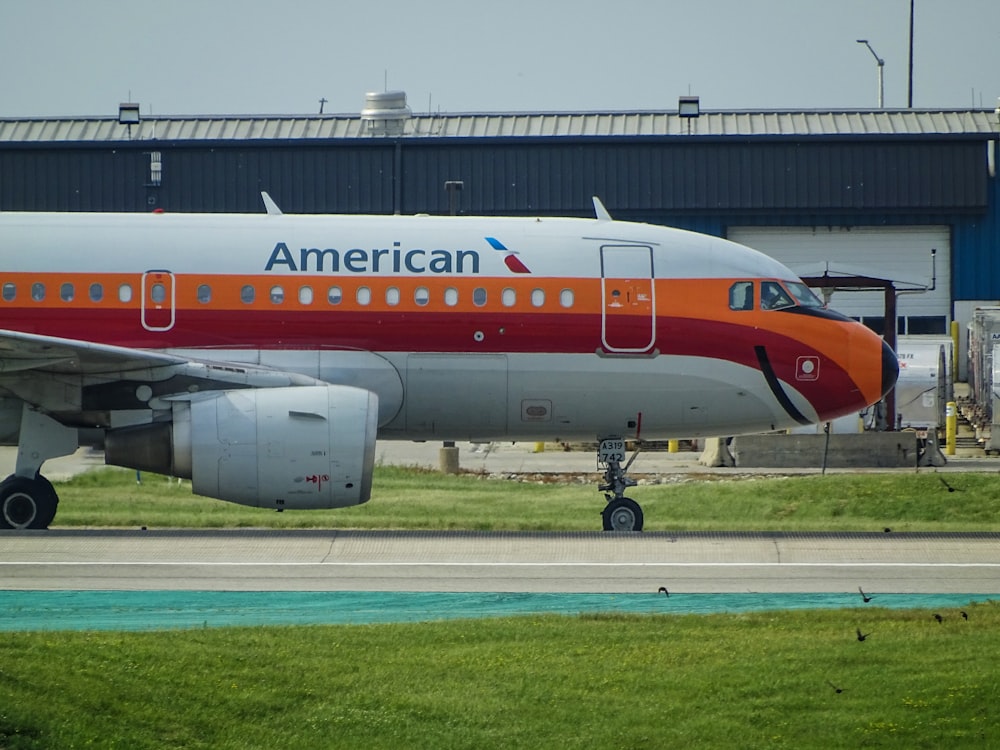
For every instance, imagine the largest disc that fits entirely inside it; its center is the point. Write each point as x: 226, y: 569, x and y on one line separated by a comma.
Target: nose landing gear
x: 621, y: 513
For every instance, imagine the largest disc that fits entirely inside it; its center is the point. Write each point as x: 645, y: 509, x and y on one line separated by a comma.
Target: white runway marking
x: 432, y: 564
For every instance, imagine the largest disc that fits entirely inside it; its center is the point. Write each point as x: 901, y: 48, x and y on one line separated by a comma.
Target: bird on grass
x: 839, y: 690
x: 862, y: 636
x: 950, y: 488
x: 864, y: 596
x: 938, y: 617
x: 965, y: 615
x: 663, y: 590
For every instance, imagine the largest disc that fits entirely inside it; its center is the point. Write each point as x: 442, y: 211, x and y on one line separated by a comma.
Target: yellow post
x: 539, y: 447
x: 673, y: 446
x: 954, y: 351
x: 950, y: 428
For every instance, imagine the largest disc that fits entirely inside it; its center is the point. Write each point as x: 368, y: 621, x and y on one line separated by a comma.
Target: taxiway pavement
x: 247, y: 560
x: 251, y: 560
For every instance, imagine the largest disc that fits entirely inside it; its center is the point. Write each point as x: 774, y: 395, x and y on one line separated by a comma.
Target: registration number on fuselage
x: 611, y: 449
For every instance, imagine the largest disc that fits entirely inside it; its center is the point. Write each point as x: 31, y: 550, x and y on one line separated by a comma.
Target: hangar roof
x: 979, y: 123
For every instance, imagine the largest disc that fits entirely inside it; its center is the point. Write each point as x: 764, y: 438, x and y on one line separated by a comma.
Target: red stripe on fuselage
x: 536, y: 333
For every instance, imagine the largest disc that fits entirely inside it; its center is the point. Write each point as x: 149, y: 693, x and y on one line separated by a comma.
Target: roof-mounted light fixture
x: 688, y: 107
x: 128, y: 114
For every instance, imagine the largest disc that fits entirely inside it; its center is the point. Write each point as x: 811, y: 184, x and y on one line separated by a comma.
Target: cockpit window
x: 803, y: 294
x: 741, y: 296
x: 774, y: 297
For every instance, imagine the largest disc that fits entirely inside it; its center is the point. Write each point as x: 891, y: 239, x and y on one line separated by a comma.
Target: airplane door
x: 158, y: 300
x: 628, y: 314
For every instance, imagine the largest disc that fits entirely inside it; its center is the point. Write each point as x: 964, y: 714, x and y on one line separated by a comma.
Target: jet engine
x: 295, y: 447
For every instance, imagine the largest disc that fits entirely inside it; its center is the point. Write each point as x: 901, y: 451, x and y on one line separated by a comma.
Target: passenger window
x: 67, y: 292
x: 566, y: 298
x: 508, y: 297
x: 96, y: 292
x: 277, y: 295
x: 479, y: 296
x: 392, y: 295
x: 9, y: 291
x: 451, y: 296
x: 204, y: 294
x: 38, y: 291
x: 247, y: 294
x: 158, y: 293
x: 125, y: 293
x: 305, y: 295
x: 363, y: 295
x: 421, y: 296
x: 773, y: 296
x: 334, y: 295
x: 741, y: 296
x: 538, y: 297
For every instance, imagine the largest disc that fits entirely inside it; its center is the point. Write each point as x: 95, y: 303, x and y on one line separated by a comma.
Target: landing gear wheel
x: 622, y: 514
x: 27, y: 503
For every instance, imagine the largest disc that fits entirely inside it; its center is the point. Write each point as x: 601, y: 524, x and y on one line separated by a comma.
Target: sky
x: 249, y: 57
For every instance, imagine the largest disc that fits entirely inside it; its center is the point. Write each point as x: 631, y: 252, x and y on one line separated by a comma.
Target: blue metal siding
x: 313, y: 180
x: 512, y: 177
x: 72, y: 180
x: 976, y: 253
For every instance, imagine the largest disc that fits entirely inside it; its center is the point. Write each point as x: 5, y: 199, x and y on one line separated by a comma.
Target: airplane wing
x: 38, y: 369
x: 20, y: 352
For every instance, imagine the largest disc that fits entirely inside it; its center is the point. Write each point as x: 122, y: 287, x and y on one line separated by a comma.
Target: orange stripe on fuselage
x: 677, y: 300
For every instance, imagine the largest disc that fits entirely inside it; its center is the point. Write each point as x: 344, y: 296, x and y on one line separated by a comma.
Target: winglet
x: 600, y: 210
x: 269, y: 204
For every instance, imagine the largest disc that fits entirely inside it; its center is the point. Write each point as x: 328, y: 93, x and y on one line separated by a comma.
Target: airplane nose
x: 890, y: 368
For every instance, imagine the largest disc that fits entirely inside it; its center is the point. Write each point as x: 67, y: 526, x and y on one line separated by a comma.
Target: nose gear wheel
x: 621, y: 513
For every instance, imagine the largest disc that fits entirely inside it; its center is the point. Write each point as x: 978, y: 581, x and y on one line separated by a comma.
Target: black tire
x: 623, y: 514
x: 27, y: 503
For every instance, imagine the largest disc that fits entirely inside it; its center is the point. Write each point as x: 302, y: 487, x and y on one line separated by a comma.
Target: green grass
x: 421, y: 499
x: 718, y: 681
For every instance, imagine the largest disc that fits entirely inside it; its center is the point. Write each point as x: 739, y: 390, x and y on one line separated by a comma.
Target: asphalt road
x: 244, y: 560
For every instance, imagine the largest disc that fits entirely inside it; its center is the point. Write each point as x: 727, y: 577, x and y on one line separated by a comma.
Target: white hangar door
x: 902, y: 254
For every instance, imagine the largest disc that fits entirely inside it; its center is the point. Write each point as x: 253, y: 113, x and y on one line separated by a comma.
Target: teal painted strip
x: 160, y: 610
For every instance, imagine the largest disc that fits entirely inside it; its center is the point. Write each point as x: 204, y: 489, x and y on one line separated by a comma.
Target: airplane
x: 262, y: 355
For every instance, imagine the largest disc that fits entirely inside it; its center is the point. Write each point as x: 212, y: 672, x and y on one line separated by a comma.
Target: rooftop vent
x: 385, y: 113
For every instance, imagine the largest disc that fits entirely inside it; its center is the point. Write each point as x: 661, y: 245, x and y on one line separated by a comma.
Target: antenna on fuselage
x: 600, y: 210
x: 269, y: 204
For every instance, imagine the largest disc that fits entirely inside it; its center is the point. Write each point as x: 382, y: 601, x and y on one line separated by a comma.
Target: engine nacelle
x: 296, y: 447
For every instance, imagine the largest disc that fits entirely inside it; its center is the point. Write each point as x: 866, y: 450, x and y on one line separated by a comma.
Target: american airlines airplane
x: 260, y: 356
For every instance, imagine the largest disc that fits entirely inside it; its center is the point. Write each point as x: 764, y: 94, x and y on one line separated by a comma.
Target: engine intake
x: 298, y: 447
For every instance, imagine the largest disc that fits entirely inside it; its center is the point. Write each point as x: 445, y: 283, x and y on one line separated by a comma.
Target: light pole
x: 881, y: 66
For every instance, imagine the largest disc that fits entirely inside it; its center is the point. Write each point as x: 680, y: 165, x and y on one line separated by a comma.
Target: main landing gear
x: 27, y: 499
x: 621, y: 513
x: 27, y: 503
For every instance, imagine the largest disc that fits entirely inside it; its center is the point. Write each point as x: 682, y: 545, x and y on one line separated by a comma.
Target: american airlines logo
x: 510, y: 258
x: 386, y: 260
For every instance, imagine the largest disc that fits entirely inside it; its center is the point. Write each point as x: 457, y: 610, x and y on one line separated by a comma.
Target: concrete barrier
x: 869, y: 449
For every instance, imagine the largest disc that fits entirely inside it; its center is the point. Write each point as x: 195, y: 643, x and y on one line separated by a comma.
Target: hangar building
x: 904, y: 195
